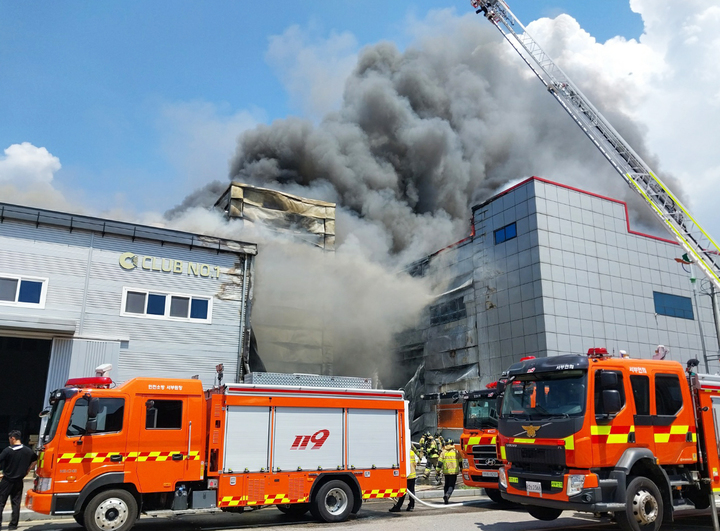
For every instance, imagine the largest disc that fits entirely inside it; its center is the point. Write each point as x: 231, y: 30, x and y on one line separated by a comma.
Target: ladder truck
x: 698, y: 244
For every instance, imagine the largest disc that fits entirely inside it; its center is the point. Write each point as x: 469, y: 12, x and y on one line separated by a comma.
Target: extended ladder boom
x: 698, y: 243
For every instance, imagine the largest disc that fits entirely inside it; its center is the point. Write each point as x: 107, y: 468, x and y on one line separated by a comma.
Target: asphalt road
x: 478, y: 514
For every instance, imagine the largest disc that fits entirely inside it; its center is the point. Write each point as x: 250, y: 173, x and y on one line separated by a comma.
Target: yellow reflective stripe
x: 569, y: 442
x: 502, y: 453
x: 600, y: 430
x: 679, y: 430
x: 524, y: 441
x: 473, y: 440
x: 617, y: 438
x: 662, y: 437
x: 493, y: 440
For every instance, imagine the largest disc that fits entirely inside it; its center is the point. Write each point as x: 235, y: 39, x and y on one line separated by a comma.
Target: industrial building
x: 548, y: 270
x: 289, y: 325
x: 77, y: 292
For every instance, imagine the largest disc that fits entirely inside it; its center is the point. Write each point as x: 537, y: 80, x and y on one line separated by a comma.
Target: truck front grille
x: 535, y: 454
x: 485, y: 456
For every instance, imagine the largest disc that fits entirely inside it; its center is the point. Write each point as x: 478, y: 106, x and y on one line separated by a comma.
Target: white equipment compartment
x: 247, y: 439
x: 372, y: 438
x: 308, y: 438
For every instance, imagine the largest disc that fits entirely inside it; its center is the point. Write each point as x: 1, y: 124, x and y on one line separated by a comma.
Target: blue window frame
x: 508, y: 232
x: 673, y: 305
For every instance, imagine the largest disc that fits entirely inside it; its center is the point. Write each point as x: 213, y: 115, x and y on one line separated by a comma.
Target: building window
x: 447, y: 312
x: 673, y: 305
x: 22, y: 291
x: 508, y: 232
x: 171, y: 306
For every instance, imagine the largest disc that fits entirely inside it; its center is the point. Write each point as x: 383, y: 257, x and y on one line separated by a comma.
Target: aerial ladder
x: 697, y: 242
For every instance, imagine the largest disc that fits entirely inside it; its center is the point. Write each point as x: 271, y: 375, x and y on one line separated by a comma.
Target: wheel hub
x: 336, y: 501
x: 111, y: 513
x: 645, y: 507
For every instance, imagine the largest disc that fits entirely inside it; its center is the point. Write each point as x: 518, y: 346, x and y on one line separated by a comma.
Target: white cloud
x: 27, y: 174
x: 25, y: 165
x: 198, y: 138
x: 668, y: 81
x: 313, y: 69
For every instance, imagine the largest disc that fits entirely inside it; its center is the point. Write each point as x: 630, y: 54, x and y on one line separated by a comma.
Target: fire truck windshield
x: 53, y: 420
x: 546, y: 394
x: 480, y: 413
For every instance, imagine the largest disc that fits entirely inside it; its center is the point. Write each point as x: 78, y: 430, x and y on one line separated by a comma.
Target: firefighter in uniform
x: 449, y: 462
x: 432, y: 452
x: 410, y: 486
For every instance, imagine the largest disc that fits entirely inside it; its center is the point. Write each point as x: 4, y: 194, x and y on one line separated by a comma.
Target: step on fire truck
x: 637, y: 438
x: 154, y: 444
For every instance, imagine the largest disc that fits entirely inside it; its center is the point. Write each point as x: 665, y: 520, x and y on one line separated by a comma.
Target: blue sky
x: 86, y: 80
x: 134, y: 104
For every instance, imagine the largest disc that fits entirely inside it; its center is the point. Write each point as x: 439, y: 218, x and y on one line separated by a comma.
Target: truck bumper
x: 587, y: 501
x: 38, y: 502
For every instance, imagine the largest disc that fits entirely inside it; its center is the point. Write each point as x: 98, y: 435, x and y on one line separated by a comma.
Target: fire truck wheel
x: 294, y: 509
x: 111, y: 510
x: 333, y: 501
x: 494, y: 495
x: 544, y: 513
x: 644, y: 506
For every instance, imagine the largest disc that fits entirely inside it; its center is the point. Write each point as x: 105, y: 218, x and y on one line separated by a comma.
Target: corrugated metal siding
x: 150, y: 347
x: 60, y: 357
x: 88, y: 354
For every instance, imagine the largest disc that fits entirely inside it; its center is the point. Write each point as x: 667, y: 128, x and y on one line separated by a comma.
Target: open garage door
x: 23, y: 374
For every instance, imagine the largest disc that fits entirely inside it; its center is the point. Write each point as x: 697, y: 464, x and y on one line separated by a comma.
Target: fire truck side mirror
x: 611, y: 401
x: 500, y: 387
x: 93, y: 410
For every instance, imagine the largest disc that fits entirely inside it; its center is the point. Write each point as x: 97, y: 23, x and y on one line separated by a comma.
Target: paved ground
x: 476, y: 512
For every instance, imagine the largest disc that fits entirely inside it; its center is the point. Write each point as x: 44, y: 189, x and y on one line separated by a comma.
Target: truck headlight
x: 466, y: 464
x: 502, y: 478
x: 575, y: 484
x: 43, y: 484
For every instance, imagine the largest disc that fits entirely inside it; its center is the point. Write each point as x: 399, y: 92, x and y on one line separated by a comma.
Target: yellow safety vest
x: 449, y: 462
x: 413, y: 465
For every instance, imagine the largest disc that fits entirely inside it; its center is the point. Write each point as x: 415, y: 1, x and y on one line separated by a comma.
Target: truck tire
x: 644, y: 506
x: 111, y: 510
x: 294, y: 509
x: 544, y: 513
x: 494, y: 495
x: 333, y: 502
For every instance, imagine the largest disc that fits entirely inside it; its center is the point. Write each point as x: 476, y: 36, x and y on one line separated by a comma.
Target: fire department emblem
x: 531, y: 430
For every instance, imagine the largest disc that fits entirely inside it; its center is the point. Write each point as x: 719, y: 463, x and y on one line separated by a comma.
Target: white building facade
x: 77, y: 292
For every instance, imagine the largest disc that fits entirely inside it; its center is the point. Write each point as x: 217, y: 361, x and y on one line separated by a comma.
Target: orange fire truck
x: 480, y: 460
x: 637, y: 438
x: 155, y: 444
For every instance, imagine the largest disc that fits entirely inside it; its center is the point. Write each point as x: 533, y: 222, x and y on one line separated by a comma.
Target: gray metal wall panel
x: 88, y: 354
x: 151, y: 347
x: 60, y: 357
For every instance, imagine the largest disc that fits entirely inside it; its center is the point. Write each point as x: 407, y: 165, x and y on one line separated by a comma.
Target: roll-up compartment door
x: 372, y: 438
x: 308, y: 438
x: 247, y: 439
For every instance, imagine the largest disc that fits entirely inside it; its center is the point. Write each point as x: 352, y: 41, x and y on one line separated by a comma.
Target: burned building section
x: 289, y: 328
x: 547, y: 270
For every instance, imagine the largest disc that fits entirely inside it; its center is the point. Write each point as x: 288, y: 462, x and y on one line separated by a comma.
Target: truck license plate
x: 533, y: 487
x: 489, y: 474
